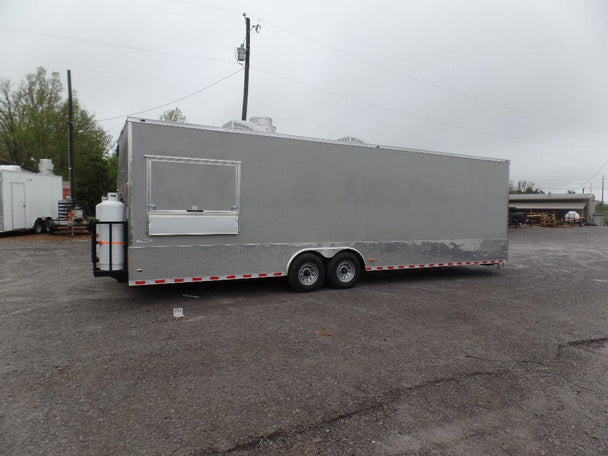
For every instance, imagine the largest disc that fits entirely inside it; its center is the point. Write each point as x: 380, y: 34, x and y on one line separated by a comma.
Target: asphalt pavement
x: 455, y: 361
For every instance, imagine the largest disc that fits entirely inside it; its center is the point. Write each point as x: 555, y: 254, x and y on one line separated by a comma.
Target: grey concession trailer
x: 202, y: 204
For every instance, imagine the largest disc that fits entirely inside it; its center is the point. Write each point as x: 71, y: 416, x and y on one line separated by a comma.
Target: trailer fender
x: 326, y: 252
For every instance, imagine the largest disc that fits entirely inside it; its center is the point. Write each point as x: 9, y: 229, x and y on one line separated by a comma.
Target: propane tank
x: 110, y: 250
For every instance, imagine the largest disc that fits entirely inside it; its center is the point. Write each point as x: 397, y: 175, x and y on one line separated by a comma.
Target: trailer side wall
x: 295, y: 193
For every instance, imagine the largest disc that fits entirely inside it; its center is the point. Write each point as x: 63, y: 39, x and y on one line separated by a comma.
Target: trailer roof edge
x: 312, y: 139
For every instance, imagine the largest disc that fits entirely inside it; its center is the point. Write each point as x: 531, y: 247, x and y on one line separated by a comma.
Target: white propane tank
x: 110, y: 210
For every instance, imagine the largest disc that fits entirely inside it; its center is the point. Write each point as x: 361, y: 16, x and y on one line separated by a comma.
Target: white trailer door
x: 18, y: 205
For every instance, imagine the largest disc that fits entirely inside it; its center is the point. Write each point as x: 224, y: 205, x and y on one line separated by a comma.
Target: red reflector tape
x: 279, y: 274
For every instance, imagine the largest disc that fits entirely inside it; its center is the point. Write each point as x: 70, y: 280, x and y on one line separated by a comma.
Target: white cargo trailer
x: 28, y: 200
x: 208, y: 204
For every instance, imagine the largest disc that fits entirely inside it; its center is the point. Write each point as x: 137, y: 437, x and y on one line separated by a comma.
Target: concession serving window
x: 192, y: 196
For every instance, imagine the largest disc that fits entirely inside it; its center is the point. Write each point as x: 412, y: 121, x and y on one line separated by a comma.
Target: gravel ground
x: 470, y: 361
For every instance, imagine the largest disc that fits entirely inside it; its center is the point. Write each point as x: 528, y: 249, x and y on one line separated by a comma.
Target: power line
x: 115, y: 45
x: 424, y: 118
x: 319, y: 43
x: 595, y: 174
x: 334, y: 93
x: 428, y: 83
x: 217, y: 8
x: 557, y: 182
x: 366, y: 102
x: 398, y: 72
x: 174, y: 101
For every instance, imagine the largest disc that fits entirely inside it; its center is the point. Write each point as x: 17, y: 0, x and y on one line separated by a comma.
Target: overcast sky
x: 525, y: 80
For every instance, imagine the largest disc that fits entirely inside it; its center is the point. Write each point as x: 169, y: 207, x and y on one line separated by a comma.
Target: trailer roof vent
x: 352, y: 140
x: 46, y: 166
x: 240, y: 125
x: 262, y: 124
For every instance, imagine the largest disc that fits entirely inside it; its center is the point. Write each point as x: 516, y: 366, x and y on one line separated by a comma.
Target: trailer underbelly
x: 149, y: 265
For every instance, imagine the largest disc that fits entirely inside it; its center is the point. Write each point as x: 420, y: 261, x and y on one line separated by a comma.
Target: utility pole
x: 247, y: 56
x: 71, y: 138
x: 602, y: 189
x: 243, y: 53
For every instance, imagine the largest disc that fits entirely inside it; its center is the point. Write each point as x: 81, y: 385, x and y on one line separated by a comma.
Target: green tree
x: 10, y: 149
x: 523, y: 186
x: 33, y: 125
x: 173, y: 115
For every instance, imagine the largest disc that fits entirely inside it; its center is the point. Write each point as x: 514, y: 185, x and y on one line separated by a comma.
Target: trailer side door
x: 18, y: 205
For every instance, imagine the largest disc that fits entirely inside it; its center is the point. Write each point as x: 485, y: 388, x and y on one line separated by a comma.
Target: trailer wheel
x: 38, y: 226
x: 343, y: 270
x: 49, y: 225
x: 306, y: 273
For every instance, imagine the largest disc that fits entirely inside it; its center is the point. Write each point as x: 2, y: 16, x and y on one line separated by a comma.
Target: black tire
x: 38, y: 226
x: 49, y: 225
x: 343, y: 270
x: 306, y: 273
